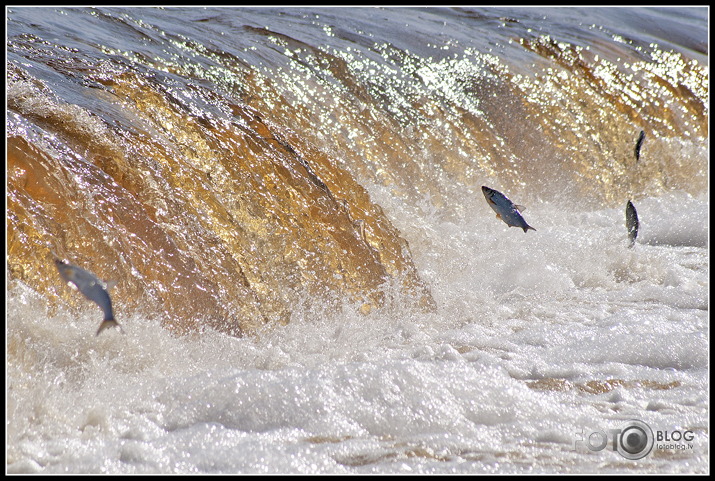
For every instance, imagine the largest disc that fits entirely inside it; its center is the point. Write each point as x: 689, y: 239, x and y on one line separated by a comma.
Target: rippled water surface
x: 308, y: 276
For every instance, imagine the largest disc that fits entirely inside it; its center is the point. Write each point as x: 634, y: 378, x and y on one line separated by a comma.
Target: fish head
x: 488, y: 193
x: 65, y: 269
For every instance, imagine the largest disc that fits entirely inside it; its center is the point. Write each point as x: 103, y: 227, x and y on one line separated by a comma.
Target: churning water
x: 309, y: 278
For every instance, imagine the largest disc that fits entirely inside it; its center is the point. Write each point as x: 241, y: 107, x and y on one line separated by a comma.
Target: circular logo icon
x: 635, y: 440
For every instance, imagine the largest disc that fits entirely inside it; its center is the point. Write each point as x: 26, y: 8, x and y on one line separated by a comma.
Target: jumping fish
x: 506, y: 210
x: 92, y: 288
x: 639, y: 144
x: 631, y: 223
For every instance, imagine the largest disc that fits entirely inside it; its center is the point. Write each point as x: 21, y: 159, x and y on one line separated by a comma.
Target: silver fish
x: 639, y: 144
x: 632, y: 223
x: 506, y: 210
x: 92, y: 288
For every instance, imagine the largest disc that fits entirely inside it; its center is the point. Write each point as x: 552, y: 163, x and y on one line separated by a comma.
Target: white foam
x: 396, y: 390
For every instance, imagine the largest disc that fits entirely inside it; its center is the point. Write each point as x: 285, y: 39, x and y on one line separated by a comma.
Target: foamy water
x: 536, y: 341
x: 515, y: 363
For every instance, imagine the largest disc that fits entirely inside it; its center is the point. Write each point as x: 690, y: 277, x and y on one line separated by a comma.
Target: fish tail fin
x: 107, y: 323
x: 527, y: 228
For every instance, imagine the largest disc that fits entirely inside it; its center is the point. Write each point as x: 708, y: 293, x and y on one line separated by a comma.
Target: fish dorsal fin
x: 109, y: 284
x: 520, y: 208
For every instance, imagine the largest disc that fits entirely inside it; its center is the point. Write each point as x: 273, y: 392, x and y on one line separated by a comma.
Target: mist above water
x: 309, y: 277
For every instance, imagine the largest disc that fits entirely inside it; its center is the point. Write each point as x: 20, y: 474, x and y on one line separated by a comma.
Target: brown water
x: 218, y: 163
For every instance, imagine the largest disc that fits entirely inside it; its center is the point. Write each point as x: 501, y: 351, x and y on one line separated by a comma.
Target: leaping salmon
x: 632, y: 223
x: 639, y: 144
x: 506, y: 210
x: 92, y: 288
